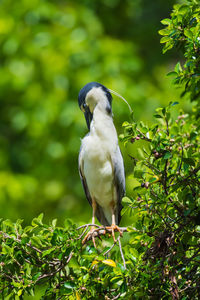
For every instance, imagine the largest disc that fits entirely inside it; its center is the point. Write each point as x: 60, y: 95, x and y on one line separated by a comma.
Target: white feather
x: 97, y: 150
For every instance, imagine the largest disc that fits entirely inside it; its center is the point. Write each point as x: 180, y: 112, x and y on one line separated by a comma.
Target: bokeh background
x: 48, y: 51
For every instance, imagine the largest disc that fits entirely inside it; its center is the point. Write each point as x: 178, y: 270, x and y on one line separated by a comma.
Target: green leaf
x: 8, y: 223
x: 193, y: 135
x: 94, y: 263
x: 167, y: 155
x: 117, y: 280
x: 183, y: 9
x: 74, y: 263
x: 125, y: 124
x: 35, y: 240
x: 164, y: 111
x: 69, y: 285
x: 19, y: 293
x: 157, y: 116
x: 188, y: 33
x: 189, y: 161
x: 166, y: 21
x: 169, y: 45
x: 48, y: 251
x: 138, y: 173
x: 126, y: 200
x: 38, y: 220
x: 6, y: 249
x: 140, y: 153
x: 165, y: 39
x: 178, y: 68
x: 174, y: 103
x: 164, y: 32
x: 153, y: 179
x: 54, y: 222
x: 24, y: 240
x: 172, y: 74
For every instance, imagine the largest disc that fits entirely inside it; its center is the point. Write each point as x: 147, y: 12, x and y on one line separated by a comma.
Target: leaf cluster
x: 54, y: 257
x: 165, y: 202
x: 182, y: 30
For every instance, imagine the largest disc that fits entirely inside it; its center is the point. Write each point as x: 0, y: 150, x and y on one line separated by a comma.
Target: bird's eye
x: 83, y: 107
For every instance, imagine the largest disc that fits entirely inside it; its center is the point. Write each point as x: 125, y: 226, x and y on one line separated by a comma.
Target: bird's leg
x: 92, y: 229
x: 94, y: 205
x: 113, y: 226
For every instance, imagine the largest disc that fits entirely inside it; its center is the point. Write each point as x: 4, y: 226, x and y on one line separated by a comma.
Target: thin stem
x: 121, y: 252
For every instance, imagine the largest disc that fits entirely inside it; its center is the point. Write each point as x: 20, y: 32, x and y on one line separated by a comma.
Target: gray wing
x: 119, y: 181
x: 99, y: 211
x: 82, y: 176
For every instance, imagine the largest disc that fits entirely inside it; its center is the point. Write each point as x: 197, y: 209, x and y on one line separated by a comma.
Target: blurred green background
x: 49, y: 51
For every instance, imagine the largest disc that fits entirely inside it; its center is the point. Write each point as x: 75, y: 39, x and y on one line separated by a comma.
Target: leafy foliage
x: 41, y: 253
x: 183, y: 31
x: 165, y: 203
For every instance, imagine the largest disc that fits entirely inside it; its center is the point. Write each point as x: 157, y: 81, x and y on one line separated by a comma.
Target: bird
x: 100, y: 162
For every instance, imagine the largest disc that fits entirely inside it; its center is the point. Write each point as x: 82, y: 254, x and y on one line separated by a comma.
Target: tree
x: 161, y: 249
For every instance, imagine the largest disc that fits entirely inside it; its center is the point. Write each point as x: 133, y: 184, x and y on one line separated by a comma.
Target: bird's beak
x: 88, y: 117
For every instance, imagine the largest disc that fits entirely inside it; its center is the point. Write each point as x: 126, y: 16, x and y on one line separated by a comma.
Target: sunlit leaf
x: 109, y: 262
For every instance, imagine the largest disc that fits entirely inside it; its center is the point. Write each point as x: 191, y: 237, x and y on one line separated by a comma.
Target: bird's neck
x: 102, y: 124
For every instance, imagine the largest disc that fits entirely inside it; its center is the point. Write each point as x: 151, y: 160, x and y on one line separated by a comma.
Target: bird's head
x: 92, y: 94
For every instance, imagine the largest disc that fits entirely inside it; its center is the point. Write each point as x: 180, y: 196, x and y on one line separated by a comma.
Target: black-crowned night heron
x: 100, y: 161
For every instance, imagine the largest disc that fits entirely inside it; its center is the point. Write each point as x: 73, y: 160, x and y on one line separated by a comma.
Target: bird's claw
x: 88, y: 236
x: 96, y: 232
x: 114, y: 228
x: 91, y: 235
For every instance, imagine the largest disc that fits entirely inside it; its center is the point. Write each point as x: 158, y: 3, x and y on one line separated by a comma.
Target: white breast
x: 97, y: 149
x: 98, y: 171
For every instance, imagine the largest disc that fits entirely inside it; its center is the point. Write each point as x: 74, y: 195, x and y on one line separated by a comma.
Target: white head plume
x: 115, y: 93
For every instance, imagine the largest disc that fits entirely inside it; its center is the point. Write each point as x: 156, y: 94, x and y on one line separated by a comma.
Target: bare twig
x: 87, y: 225
x: 144, y: 137
x: 180, y: 166
x: 113, y: 245
x: 116, y: 297
x: 62, y: 265
x: 82, y: 234
x: 167, y: 125
x: 174, y: 286
x: 121, y: 252
x: 147, y: 164
x: 164, y: 181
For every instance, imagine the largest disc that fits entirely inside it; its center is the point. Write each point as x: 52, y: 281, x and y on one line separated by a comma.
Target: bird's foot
x: 91, y: 235
x: 114, y: 228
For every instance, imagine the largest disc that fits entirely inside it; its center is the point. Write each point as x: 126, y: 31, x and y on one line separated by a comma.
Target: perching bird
x: 100, y: 161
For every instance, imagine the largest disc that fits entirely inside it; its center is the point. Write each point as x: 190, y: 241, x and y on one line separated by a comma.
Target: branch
x: 144, y: 137
x: 62, y: 265
x: 122, y: 255
x: 19, y: 241
x: 101, y: 230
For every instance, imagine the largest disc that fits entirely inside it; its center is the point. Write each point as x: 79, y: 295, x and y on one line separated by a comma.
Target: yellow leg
x: 113, y: 217
x: 94, y: 205
x: 113, y: 226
